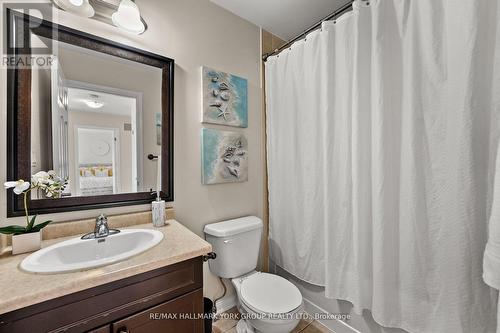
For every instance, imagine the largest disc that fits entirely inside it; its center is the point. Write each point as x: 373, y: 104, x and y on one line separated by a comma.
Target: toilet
x: 268, y: 302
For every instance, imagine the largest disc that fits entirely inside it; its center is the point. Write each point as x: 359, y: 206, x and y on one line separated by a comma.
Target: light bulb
x: 78, y: 7
x: 76, y: 3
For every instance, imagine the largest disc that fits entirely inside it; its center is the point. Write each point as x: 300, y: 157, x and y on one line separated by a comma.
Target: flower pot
x: 26, y: 242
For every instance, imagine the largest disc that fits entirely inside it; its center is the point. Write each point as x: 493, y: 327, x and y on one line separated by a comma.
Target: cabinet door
x: 182, y: 314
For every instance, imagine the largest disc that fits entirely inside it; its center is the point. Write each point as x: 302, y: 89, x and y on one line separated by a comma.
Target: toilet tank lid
x: 233, y: 227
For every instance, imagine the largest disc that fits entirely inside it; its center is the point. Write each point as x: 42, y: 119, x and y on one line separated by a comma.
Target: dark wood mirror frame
x: 19, y: 115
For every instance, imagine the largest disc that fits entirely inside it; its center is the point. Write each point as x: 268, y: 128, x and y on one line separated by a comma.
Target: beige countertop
x: 21, y: 289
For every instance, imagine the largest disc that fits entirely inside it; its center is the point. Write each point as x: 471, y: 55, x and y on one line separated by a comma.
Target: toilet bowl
x: 268, y: 302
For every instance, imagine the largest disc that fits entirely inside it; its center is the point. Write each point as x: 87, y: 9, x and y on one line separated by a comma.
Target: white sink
x: 77, y: 254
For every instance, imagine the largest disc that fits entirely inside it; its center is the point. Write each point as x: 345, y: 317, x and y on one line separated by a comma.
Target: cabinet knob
x: 122, y: 330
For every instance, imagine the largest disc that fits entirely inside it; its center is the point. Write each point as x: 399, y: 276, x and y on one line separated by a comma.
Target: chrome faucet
x: 101, y: 229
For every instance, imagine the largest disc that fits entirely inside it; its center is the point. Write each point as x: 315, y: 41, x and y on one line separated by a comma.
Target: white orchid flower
x: 19, y: 186
x: 41, y: 177
x: 49, y: 183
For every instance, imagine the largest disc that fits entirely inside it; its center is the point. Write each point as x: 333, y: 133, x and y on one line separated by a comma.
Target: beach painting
x: 225, y: 98
x: 224, y: 156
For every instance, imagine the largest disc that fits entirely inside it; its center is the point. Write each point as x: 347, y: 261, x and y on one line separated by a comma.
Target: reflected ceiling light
x: 77, y: 7
x: 93, y: 103
x: 128, y: 17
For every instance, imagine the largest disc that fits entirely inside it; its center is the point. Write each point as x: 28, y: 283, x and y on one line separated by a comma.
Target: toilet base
x: 267, y: 325
x: 244, y: 327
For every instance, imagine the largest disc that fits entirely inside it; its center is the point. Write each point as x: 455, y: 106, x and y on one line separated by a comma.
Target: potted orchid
x: 28, y: 238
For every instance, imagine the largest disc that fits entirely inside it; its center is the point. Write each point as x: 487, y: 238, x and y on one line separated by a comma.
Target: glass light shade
x: 77, y: 7
x: 128, y: 17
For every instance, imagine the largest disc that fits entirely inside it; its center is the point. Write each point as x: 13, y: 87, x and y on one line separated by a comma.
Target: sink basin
x: 77, y: 254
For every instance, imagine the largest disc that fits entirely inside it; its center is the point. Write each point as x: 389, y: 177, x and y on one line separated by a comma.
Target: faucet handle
x: 101, y: 226
x: 101, y: 229
x: 101, y: 219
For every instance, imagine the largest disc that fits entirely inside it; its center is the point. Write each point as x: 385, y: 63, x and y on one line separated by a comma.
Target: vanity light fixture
x: 124, y: 14
x: 128, y: 17
x: 77, y: 7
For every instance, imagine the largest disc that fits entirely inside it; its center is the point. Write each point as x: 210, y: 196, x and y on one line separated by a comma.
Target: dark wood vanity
x: 165, y: 300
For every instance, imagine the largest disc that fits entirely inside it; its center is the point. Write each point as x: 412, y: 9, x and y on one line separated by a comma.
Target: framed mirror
x: 93, y: 111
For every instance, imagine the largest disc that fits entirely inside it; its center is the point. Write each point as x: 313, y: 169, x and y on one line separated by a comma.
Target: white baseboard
x: 226, y: 303
x: 335, y: 325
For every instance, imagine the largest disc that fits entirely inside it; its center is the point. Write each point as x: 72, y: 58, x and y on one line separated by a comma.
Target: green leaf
x: 13, y: 229
x: 40, y: 226
x: 32, y: 222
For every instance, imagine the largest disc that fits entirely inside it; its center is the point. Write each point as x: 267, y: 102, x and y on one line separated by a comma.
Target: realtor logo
x: 22, y: 45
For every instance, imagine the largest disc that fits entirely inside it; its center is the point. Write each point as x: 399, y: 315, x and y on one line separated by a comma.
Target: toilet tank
x: 236, y: 243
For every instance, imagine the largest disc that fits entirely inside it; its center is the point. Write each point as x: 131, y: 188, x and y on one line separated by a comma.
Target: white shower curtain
x: 381, y: 148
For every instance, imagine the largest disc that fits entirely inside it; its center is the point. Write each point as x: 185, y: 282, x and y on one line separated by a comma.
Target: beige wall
x: 194, y: 33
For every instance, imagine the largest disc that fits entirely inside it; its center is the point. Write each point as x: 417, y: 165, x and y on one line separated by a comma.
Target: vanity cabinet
x: 174, y: 317
x: 168, y: 299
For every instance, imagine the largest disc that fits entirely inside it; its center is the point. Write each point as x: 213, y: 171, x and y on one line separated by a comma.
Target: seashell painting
x: 225, y: 98
x: 224, y: 156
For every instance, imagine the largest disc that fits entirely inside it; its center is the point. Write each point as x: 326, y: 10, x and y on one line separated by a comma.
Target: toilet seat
x: 269, y: 293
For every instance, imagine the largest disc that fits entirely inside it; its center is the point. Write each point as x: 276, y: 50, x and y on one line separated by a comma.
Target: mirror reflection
x: 95, y: 118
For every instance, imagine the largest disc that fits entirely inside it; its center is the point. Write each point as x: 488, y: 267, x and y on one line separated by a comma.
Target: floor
x: 228, y: 324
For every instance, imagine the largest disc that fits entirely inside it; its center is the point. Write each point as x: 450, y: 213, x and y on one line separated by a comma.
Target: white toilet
x: 271, y: 303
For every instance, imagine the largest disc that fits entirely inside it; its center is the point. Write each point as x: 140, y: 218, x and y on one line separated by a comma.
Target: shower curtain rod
x: 336, y: 13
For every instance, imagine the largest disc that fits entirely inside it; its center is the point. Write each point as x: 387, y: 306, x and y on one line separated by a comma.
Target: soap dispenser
x: 158, y: 206
x: 158, y: 211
